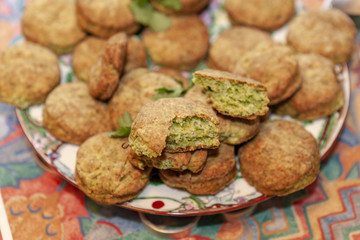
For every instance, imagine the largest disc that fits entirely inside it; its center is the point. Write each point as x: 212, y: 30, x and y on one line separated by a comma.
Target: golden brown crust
x: 135, y: 54
x: 274, y: 65
x: 281, y: 159
x: 186, y: 43
x: 72, y: 115
x: 105, y: 18
x: 232, y: 43
x: 187, y: 7
x: 192, y: 161
x: 320, y: 94
x: 135, y: 90
x: 336, y: 29
x: 104, y: 198
x: 235, y: 131
x: 197, y: 161
x: 105, y: 73
x: 28, y: 73
x: 151, y: 125
x: 223, y: 76
x: 87, y: 52
x: 197, y: 93
x: 219, y: 171
x: 264, y: 14
x: 85, y: 55
x: 103, y: 172
x: 175, y: 74
x: 60, y: 33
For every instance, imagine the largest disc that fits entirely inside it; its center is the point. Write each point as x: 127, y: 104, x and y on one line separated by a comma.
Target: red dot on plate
x: 158, y: 204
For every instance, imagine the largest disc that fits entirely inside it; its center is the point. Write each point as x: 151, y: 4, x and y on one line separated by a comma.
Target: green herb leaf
x: 143, y: 2
x: 121, y: 132
x: 175, y: 4
x: 141, y: 11
x: 146, y: 15
x: 191, y: 83
x: 125, y: 121
x: 164, y: 90
x: 169, y: 93
x: 124, y: 129
x: 159, y: 22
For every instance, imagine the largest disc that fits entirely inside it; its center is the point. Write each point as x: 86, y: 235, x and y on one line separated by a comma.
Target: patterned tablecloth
x: 328, y: 209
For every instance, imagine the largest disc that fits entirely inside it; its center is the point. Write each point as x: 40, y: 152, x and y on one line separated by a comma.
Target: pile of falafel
x: 186, y: 122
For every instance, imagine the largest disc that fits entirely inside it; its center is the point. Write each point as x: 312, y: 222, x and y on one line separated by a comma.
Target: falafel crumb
x: 191, y: 132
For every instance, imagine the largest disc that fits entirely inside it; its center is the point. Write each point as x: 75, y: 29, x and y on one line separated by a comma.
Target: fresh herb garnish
x: 124, y: 128
x: 191, y: 84
x: 146, y: 15
x: 175, y: 4
x: 169, y: 93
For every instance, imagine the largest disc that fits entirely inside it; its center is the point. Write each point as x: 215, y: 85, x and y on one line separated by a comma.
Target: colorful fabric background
x: 40, y: 205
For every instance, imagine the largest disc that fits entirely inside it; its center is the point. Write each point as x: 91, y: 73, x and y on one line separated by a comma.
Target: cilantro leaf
x: 121, y: 132
x: 175, y: 4
x: 146, y: 15
x: 125, y: 121
x: 124, y: 128
x: 159, y: 22
x: 141, y: 11
x: 143, y: 2
x: 169, y: 93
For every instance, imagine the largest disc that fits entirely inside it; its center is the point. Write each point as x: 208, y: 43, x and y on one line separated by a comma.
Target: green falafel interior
x: 184, y: 135
x: 174, y: 125
x: 233, y: 95
x: 191, y: 132
x: 141, y: 148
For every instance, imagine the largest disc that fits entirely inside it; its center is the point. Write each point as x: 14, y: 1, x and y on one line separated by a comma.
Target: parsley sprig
x: 124, y: 128
x: 175, y: 4
x: 146, y: 15
x: 169, y: 93
x: 172, y: 92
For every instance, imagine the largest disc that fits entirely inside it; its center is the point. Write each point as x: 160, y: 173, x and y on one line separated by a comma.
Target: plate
x: 157, y: 198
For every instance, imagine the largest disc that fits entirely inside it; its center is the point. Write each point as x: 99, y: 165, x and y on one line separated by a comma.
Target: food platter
x: 157, y: 198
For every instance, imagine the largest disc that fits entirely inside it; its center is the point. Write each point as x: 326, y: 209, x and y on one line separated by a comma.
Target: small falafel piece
x: 336, y: 29
x: 52, y: 24
x: 182, y: 46
x: 85, y: 55
x: 274, y: 65
x: 235, y: 131
x: 193, y: 161
x: 219, y: 171
x: 135, y: 54
x: 233, y: 95
x: 263, y: 14
x: 71, y: 115
x: 281, y: 159
x: 88, y: 51
x: 28, y: 73
x: 231, y: 44
x: 174, y: 125
x: 103, y: 172
x: 320, y: 94
x: 105, y: 74
x: 106, y: 18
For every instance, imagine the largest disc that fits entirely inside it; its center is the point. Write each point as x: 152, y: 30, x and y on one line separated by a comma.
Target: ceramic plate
x: 157, y: 198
